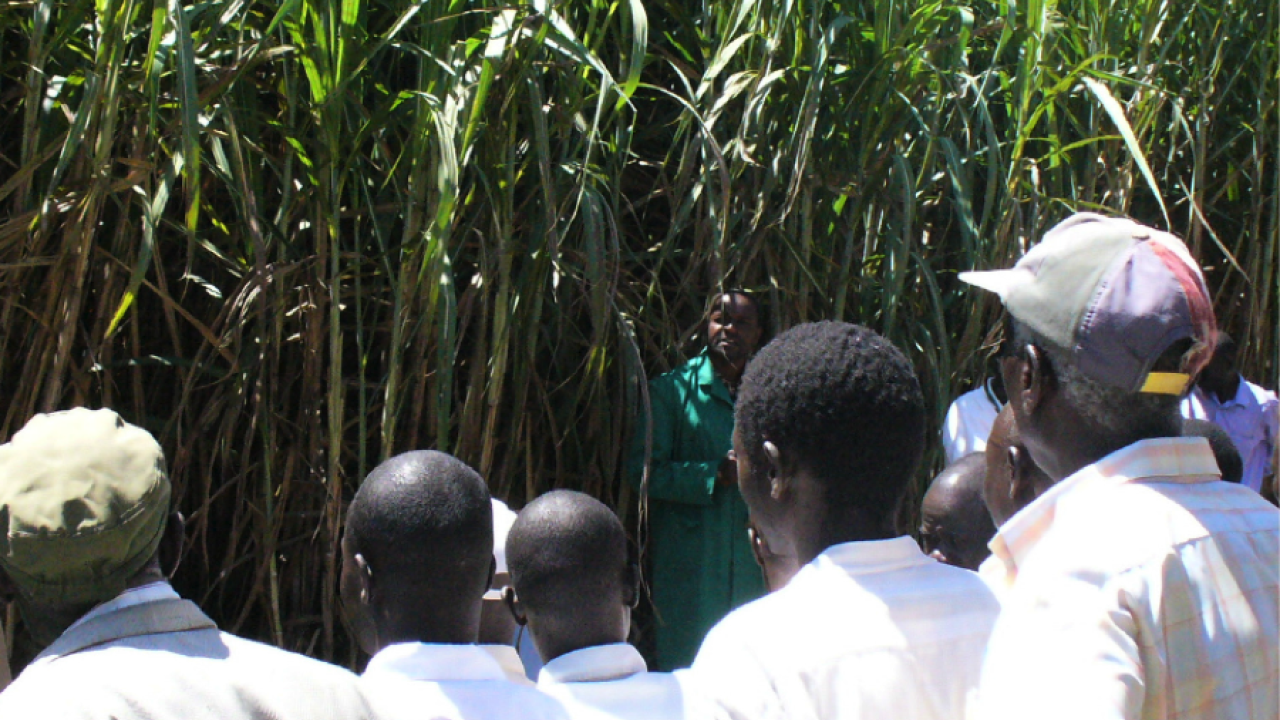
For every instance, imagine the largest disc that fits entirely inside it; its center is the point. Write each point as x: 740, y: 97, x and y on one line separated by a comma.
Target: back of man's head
x: 567, y: 555
x: 955, y: 526
x: 84, y: 504
x: 1110, y: 322
x: 843, y: 405
x: 419, y: 536
x: 1224, y: 449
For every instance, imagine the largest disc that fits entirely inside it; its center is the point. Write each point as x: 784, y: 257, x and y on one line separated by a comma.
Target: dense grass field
x: 294, y: 237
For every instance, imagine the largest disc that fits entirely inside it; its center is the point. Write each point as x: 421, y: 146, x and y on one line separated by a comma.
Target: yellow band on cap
x: 1165, y: 383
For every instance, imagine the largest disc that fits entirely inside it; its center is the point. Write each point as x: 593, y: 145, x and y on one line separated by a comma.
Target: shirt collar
x: 709, y: 379
x: 1180, y: 460
x: 509, y: 660
x: 594, y: 664
x: 151, y: 592
x: 873, y: 556
x: 435, y: 662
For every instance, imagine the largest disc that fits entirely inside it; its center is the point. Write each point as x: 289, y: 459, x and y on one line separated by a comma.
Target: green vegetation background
x: 293, y: 237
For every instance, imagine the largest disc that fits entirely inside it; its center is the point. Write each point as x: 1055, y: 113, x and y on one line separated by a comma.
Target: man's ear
x: 513, y: 605
x: 631, y: 585
x: 1039, y: 382
x: 365, y: 575
x: 171, y: 544
x: 779, y: 480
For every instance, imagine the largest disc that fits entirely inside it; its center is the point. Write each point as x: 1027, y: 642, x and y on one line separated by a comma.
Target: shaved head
x: 567, y: 555
x: 417, y: 551
x: 956, y: 526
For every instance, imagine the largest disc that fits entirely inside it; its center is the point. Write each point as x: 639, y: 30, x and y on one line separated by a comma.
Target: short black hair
x: 845, y: 403
x: 424, y: 523
x: 567, y: 550
x: 1224, y: 449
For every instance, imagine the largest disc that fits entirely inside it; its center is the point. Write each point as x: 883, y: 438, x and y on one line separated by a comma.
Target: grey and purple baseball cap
x: 1116, y: 295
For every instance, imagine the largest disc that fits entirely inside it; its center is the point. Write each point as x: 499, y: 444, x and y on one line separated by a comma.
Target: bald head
x: 1013, y: 479
x: 567, y: 555
x: 417, y: 551
x: 956, y: 527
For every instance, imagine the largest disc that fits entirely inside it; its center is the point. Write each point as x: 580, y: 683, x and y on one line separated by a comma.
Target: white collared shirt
x: 453, y: 682
x: 968, y: 423
x: 612, y: 681
x: 1142, y: 587
x: 867, y: 630
x: 1252, y: 421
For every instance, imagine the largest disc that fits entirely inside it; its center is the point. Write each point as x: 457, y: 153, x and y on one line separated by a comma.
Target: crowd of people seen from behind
x: 1098, y: 545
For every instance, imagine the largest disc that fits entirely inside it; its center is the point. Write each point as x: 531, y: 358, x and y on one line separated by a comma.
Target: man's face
x: 733, y: 328
x: 1221, y: 370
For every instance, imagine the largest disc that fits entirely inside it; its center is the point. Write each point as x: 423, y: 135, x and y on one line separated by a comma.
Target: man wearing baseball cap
x: 87, y: 540
x: 1141, y: 586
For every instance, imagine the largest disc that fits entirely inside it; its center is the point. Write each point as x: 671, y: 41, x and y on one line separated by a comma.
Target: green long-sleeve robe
x: 702, y: 565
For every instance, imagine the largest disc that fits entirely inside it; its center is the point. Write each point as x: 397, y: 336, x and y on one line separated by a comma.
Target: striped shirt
x: 1142, y: 587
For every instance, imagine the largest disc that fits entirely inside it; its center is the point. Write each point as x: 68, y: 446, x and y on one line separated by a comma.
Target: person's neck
x: 577, y: 630
x: 1227, y: 390
x: 1089, y: 449
x: 147, y: 576
x: 839, y: 527
x: 440, y: 629
x: 729, y: 373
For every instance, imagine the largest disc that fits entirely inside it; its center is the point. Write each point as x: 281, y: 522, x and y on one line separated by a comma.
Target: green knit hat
x: 84, y: 497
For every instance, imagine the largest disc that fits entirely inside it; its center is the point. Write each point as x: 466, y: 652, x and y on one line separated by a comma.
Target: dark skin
x: 790, y: 515
x: 382, y: 612
x: 776, y: 569
x: 1013, y: 479
x: 497, y: 627
x: 1061, y: 439
x: 733, y: 336
x: 1221, y: 376
x: 46, y: 622
x: 955, y: 526
x: 603, y: 619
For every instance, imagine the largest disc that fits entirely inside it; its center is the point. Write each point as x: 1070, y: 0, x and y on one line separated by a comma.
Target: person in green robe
x: 702, y: 564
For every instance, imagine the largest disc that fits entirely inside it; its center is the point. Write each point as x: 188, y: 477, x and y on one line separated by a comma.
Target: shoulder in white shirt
x: 1144, y: 587
x: 866, y: 630
x: 451, y: 682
